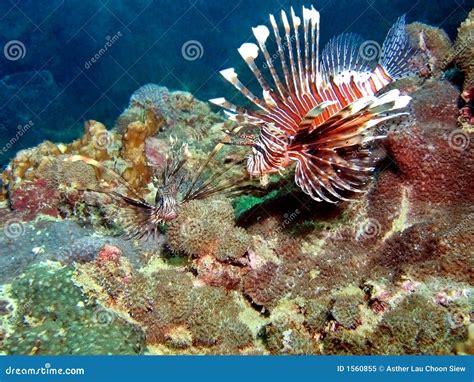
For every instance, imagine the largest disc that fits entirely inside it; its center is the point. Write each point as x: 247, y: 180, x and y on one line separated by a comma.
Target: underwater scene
x: 239, y: 177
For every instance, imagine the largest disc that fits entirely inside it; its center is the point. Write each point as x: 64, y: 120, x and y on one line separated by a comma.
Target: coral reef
x: 61, y: 241
x: 434, y: 43
x: 169, y: 108
x: 270, y: 272
x: 178, y: 315
x: 51, y: 315
x: 133, y: 150
x: 207, y: 228
x: 416, y: 326
x: 464, y: 50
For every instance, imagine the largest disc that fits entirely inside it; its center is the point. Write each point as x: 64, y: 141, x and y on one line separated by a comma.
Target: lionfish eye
x: 258, y: 149
x: 159, y: 198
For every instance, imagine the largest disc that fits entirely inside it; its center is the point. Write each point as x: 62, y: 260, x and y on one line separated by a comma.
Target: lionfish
x: 174, y: 186
x: 323, y: 116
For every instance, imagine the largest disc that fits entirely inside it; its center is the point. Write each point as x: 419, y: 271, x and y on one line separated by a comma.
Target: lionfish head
x: 166, y: 205
x: 269, y: 152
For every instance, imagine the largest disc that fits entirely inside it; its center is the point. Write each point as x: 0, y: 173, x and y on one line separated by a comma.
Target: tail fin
x: 397, y: 52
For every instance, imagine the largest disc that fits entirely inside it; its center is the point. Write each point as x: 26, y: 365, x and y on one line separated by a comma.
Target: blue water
x: 54, y: 83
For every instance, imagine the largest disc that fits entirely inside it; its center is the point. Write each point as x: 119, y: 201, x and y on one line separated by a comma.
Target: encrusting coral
x: 138, y: 173
x: 177, y: 313
x: 464, y: 50
x: 206, y: 227
x: 52, y: 316
x: 416, y: 326
x: 434, y: 43
x: 171, y: 109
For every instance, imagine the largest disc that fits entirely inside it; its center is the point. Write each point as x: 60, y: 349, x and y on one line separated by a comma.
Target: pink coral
x: 32, y: 198
x: 108, y: 254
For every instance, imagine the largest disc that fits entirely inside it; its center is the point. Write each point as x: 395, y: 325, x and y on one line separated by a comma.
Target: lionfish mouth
x: 323, y: 115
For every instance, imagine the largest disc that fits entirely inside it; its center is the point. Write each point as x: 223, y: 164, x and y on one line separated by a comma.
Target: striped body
x: 321, y: 116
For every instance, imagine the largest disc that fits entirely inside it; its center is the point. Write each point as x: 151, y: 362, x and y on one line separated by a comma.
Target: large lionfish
x: 322, y: 117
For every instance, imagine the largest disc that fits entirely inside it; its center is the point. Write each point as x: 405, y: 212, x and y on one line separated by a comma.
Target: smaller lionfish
x: 323, y: 116
x: 174, y: 186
